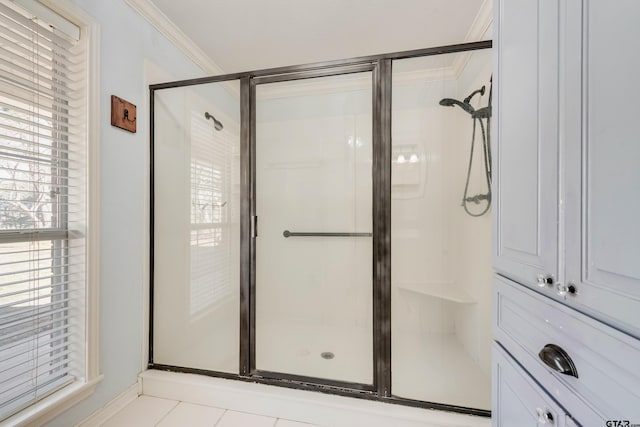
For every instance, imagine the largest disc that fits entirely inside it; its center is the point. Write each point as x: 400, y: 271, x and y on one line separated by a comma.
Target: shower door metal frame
x: 380, y: 66
x: 371, y: 67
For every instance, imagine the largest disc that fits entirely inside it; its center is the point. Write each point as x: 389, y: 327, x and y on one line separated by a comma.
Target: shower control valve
x: 545, y: 280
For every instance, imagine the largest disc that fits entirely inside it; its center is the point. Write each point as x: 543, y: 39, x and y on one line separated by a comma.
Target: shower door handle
x: 287, y: 234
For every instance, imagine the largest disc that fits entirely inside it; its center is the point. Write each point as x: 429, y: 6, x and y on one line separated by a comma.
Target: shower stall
x: 308, y: 231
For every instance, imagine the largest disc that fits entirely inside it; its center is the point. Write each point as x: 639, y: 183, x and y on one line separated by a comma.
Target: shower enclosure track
x: 380, y: 66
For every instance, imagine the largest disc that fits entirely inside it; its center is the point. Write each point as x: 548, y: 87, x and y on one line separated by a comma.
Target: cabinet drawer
x: 517, y: 399
x: 607, y: 361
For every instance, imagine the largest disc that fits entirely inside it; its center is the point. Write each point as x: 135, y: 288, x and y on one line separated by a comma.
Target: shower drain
x: 327, y: 355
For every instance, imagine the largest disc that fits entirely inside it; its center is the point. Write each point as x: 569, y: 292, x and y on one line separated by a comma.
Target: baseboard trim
x: 113, y: 407
x: 298, y: 405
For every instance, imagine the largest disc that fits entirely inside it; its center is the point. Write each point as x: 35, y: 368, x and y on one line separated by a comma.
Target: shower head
x: 216, y: 124
x: 449, y: 102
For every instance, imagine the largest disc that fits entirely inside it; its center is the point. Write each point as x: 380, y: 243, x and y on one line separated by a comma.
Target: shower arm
x: 468, y: 98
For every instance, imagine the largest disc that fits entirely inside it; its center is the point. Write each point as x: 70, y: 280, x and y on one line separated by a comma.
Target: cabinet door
x: 526, y: 170
x: 517, y: 399
x: 603, y: 169
x: 570, y: 422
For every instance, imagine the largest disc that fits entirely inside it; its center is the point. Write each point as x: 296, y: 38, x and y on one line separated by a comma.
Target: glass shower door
x: 313, y: 200
x: 196, y: 227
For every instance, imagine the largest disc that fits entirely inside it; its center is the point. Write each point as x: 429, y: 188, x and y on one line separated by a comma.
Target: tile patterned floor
x: 148, y: 411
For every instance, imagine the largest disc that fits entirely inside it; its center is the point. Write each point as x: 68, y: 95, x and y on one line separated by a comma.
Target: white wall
x: 441, y: 257
x: 421, y: 225
x: 129, y: 45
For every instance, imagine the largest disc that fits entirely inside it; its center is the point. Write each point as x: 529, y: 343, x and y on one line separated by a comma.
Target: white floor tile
x: 288, y: 423
x: 145, y: 411
x: 188, y: 414
x: 241, y: 419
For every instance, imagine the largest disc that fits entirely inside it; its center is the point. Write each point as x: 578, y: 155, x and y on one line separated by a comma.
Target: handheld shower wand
x: 450, y: 102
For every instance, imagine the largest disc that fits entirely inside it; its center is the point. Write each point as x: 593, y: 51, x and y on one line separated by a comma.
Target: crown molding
x: 162, y: 23
x: 481, y: 23
x: 478, y: 30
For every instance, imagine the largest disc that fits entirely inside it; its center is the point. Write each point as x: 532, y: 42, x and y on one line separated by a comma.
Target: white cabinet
x: 526, y: 173
x: 567, y: 174
x: 571, y: 423
x: 567, y: 211
x: 602, y: 165
x: 588, y: 367
x: 520, y: 401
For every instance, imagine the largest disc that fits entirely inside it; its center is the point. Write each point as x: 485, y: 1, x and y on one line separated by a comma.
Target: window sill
x: 52, y: 406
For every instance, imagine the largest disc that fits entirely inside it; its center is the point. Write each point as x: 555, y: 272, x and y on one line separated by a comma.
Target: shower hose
x: 486, y: 148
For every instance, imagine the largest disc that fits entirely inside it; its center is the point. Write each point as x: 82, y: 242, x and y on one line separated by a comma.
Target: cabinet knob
x: 569, y: 288
x: 545, y: 280
x: 544, y: 416
x: 557, y: 359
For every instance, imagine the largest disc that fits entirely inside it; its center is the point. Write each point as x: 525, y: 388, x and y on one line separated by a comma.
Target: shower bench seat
x: 446, y: 291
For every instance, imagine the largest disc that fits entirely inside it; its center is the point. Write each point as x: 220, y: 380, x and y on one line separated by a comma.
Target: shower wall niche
x: 307, y: 228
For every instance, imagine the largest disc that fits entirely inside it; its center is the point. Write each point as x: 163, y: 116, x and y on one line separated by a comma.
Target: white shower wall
x: 471, y: 237
x: 313, y: 174
x: 421, y: 224
x: 441, y: 266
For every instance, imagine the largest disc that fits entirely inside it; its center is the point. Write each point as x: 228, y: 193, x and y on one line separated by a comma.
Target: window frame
x: 53, y: 405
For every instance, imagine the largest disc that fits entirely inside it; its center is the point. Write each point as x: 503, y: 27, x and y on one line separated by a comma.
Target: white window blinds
x: 42, y: 208
x: 210, y: 214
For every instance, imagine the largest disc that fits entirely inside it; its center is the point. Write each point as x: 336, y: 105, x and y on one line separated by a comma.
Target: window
x: 44, y: 205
